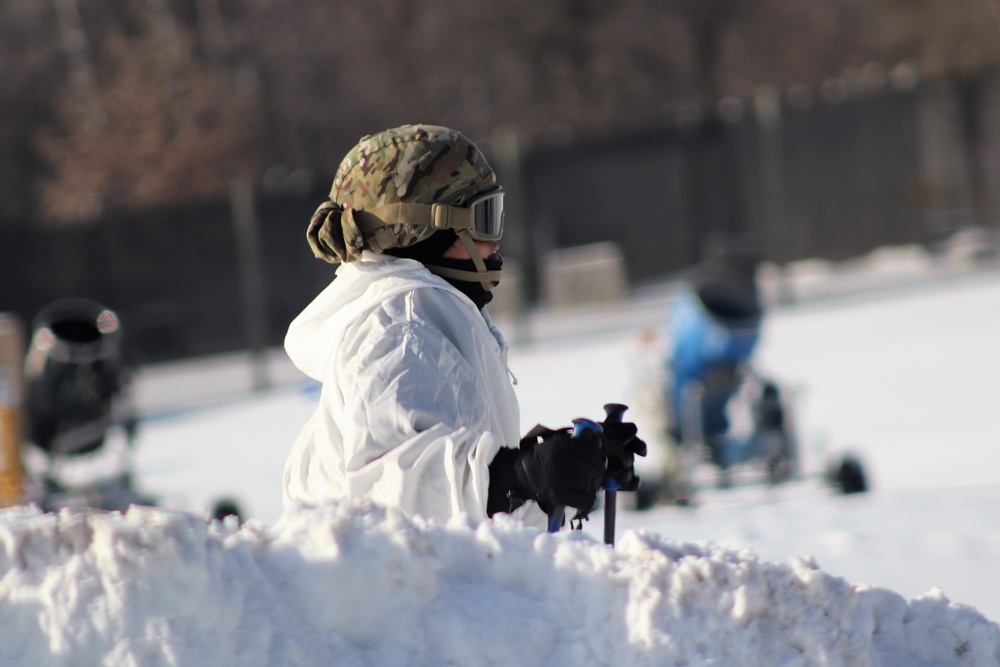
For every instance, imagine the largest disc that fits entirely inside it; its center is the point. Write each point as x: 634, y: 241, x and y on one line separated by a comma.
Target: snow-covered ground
x: 895, y: 361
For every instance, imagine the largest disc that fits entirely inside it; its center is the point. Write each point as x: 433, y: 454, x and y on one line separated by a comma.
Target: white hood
x: 314, y: 334
x: 416, y: 397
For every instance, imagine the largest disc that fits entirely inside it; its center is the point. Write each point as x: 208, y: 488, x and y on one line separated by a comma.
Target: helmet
x: 398, y: 187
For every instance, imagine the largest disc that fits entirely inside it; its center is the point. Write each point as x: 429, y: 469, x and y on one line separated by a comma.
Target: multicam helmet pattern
x: 419, y: 164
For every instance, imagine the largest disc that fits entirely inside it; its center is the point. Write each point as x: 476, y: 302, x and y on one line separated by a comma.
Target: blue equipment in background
x: 708, y: 349
x: 713, y: 329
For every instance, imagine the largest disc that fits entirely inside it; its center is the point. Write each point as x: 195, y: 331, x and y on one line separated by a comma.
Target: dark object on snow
x: 74, y: 378
x: 849, y: 475
x: 646, y: 495
x: 226, y: 507
x: 78, y: 408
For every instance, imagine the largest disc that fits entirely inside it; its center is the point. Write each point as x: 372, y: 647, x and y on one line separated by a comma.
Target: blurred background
x: 163, y: 156
x: 160, y: 161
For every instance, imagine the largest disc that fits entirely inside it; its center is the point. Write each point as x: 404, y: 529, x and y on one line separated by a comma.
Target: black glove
x: 621, y: 445
x: 559, y: 470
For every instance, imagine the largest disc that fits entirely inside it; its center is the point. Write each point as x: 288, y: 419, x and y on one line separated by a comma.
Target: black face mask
x: 470, y: 288
x: 428, y: 252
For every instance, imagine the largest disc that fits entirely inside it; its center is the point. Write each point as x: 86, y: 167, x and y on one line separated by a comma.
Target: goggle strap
x: 437, y: 216
x: 451, y: 217
x: 470, y: 247
x: 382, y: 239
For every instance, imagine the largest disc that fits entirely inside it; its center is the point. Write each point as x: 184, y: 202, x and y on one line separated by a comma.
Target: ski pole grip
x: 614, y: 411
x: 613, y: 415
x: 580, y: 426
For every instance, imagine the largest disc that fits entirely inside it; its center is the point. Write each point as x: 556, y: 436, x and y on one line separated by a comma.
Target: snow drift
x: 356, y: 584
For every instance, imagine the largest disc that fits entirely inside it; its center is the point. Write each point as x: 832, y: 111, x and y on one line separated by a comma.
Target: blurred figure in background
x: 712, y: 332
x: 714, y: 328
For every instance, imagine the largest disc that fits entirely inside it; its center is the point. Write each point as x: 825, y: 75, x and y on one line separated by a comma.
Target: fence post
x: 507, y: 150
x: 251, y: 269
x: 774, y: 224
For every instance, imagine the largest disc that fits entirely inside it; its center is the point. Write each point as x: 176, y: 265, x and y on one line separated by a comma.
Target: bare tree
x: 946, y: 36
x: 165, y: 132
x: 189, y: 87
x: 31, y: 67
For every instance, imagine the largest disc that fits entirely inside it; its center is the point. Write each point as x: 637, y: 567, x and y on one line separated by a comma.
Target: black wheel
x: 849, y: 475
x: 646, y: 495
x: 226, y: 507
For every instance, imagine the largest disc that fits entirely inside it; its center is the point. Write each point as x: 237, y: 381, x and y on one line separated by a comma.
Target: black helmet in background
x: 73, y: 376
x: 725, y: 280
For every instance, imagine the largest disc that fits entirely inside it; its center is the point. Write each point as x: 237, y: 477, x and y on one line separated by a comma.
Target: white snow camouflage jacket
x: 416, y: 397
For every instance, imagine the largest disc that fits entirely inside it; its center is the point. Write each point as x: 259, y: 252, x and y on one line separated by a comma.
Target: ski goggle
x: 482, y: 216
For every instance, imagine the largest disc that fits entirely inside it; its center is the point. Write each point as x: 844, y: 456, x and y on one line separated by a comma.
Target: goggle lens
x: 487, y: 217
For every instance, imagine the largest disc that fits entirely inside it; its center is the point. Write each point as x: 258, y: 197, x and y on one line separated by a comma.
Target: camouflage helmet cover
x: 418, y: 164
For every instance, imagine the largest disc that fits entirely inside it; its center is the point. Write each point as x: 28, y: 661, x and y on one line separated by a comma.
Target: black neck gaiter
x: 429, y: 253
x: 470, y: 288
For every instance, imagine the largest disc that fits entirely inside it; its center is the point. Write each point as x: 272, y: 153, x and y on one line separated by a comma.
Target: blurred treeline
x: 110, y: 105
x: 164, y: 156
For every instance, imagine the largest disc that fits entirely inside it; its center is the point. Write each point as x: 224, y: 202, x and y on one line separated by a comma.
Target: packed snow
x: 900, y: 372
x: 355, y: 584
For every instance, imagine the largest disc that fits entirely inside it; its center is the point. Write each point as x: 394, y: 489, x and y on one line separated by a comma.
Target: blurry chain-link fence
x: 831, y: 175
x: 173, y: 274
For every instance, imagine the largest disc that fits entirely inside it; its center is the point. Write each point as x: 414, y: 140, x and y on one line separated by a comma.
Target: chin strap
x: 482, y: 274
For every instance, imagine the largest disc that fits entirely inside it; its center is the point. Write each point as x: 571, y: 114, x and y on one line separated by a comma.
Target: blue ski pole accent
x: 580, y: 426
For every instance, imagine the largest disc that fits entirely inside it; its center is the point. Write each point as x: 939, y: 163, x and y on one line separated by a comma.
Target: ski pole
x: 580, y: 426
x: 613, y: 412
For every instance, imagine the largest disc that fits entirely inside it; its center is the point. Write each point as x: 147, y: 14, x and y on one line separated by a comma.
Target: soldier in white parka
x: 417, y: 408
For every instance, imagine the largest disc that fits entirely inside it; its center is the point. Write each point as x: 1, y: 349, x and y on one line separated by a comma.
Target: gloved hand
x: 622, y: 445
x: 559, y: 470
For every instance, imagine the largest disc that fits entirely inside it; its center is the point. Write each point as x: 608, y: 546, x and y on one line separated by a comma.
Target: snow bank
x: 360, y: 585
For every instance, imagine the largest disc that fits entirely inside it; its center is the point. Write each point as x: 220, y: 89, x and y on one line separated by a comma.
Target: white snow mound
x: 355, y: 584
